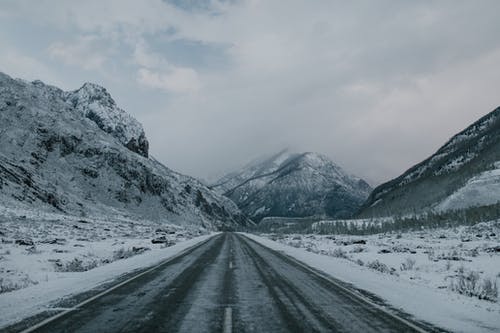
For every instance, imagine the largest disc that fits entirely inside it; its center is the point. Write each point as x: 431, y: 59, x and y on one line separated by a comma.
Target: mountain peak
x: 94, y: 92
x: 92, y: 86
x: 316, y: 160
x: 96, y: 104
x: 289, y: 184
x: 271, y: 161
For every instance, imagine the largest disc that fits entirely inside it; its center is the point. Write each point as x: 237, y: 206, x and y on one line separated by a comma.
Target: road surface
x: 228, y: 284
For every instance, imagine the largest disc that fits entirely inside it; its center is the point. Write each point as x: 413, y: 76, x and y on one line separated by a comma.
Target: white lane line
x: 62, y: 309
x: 230, y: 265
x: 59, y: 315
x: 228, y: 320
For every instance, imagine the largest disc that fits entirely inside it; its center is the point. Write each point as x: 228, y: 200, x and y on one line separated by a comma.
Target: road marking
x: 63, y: 309
x: 228, y: 320
x: 347, y: 290
x: 230, y: 265
x: 59, y: 315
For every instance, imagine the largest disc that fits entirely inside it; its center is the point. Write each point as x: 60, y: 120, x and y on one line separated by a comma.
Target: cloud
x: 359, y: 81
x: 156, y: 72
x: 86, y: 52
x: 19, y: 65
x: 144, y: 57
x: 177, y: 79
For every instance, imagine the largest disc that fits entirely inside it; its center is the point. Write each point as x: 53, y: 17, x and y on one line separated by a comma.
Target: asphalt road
x: 228, y: 284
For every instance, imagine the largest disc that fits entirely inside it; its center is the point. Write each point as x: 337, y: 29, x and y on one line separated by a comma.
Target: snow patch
x: 481, y: 190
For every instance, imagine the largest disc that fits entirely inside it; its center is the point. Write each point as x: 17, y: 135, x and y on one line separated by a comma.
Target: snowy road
x: 229, y: 283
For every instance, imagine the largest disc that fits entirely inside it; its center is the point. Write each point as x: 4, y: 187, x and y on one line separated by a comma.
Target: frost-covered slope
x: 78, y: 153
x: 480, y: 190
x: 294, y: 185
x: 454, y: 177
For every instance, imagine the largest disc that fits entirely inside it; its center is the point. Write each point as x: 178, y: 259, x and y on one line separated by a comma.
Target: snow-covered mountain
x: 294, y: 185
x: 95, y: 103
x: 77, y: 152
x: 461, y: 174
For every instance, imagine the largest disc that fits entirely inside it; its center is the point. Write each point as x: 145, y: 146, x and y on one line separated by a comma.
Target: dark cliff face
x: 54, y: 157
x: 294, y: 185
x: 469, y: 153
x: 139, y: 145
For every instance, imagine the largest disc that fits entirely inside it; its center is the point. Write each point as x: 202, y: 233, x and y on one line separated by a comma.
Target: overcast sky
x: 375, y: 85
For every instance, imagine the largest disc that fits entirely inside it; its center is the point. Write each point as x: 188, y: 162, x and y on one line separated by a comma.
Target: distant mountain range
x: 77, y: 152
x: 294, y: 185
x: 463, y: 173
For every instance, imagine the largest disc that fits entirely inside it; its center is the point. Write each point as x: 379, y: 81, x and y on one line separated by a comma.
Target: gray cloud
x: 377, y: 86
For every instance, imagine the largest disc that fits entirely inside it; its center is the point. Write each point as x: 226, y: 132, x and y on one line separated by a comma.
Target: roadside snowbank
x: 439, y: 307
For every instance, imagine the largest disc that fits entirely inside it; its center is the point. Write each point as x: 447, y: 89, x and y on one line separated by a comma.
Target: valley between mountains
x: 98, y: 235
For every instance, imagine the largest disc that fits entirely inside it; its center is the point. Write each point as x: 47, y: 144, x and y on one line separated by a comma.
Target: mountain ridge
x: 470, y: 152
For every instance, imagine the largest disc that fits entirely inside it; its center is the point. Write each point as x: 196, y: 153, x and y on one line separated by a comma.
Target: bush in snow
x: 470, y: 284
x: 297, y: 244
x: 310, y: 247
x: 123, y: 253
x: 408, y: 265
x: 452, y: 255
x: 33, y: 250
x: 339, y: 253
x: 358, y: 249
x: 473, y: 253
x: 7, y: 285
x: 381, y: 267
x: 490, y: 290
x: 431, y: 255
x: 76, y: 265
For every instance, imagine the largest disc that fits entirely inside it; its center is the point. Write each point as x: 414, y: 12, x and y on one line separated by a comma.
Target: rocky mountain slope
x: 294, y: 185
x: 78, y: 153
x: 462, y: 173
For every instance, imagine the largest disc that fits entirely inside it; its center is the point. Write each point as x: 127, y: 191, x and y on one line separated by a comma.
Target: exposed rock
x: 24, y: 242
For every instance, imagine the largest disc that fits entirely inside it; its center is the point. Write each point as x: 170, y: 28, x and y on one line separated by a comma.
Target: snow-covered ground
x: 46, y: 257
x: 418, y: 272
